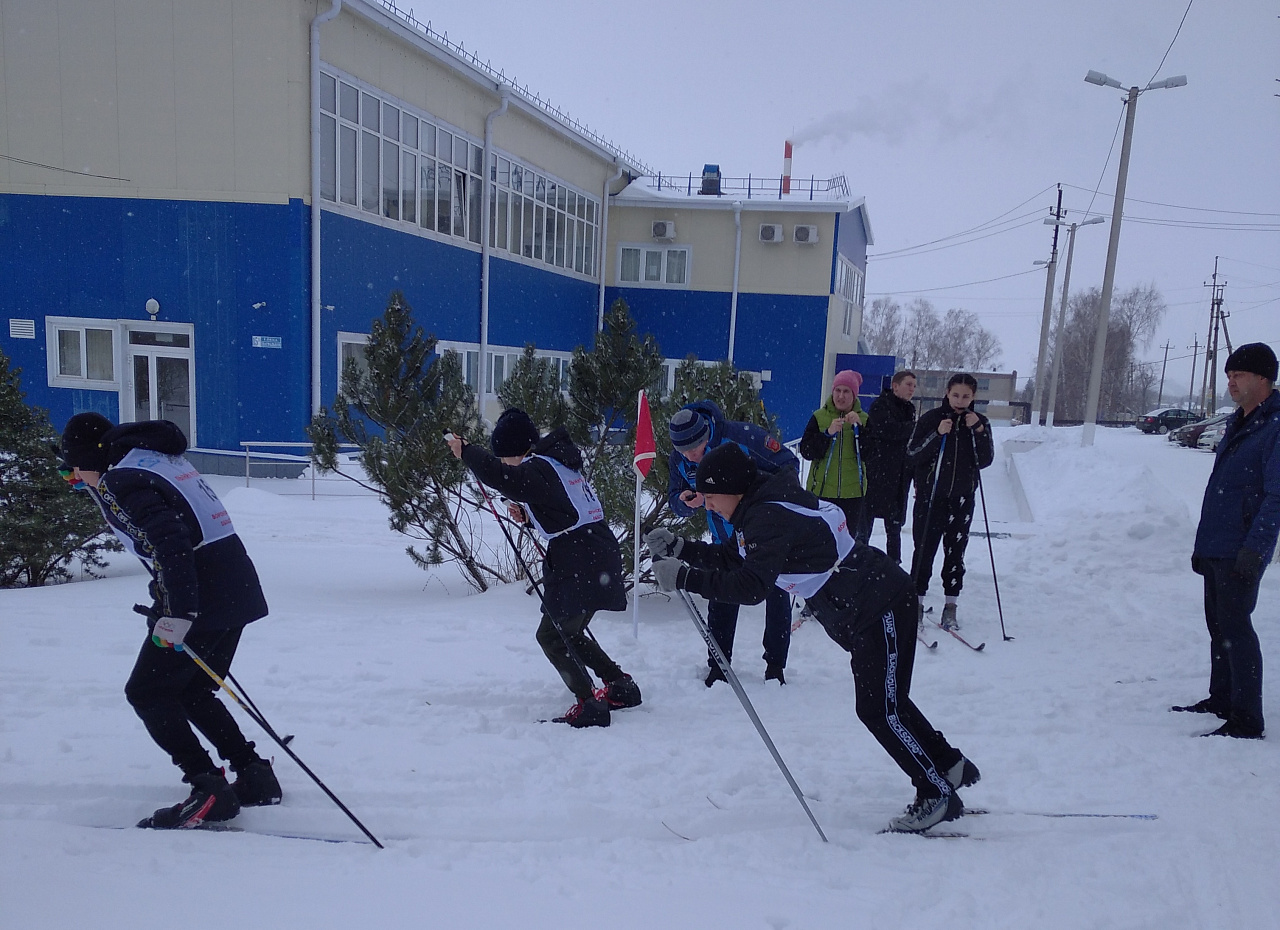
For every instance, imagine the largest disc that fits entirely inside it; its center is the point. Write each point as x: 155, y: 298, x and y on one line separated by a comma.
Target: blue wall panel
x: 529, y: 304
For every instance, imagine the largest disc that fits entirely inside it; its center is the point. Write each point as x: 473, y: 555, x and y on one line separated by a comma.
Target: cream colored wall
x: 837, y: 343
x: 765, y: 268
x: 202, y: 100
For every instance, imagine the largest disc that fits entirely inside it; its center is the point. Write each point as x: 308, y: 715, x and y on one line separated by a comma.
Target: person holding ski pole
x: 832, y: 441
x: 948, y: 446
x: 205, y: 591
x: 790, y: 540
x: 695, y: 430
x: 582, y: 570
x: 890, y: 422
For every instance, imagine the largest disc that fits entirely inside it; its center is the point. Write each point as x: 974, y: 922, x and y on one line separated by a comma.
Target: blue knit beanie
x: 688, y: 429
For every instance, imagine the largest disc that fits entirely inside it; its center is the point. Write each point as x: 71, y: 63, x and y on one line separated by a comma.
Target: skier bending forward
x: 865, y: 602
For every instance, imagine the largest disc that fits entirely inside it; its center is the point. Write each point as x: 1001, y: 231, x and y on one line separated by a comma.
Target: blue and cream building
x: 205, y: 203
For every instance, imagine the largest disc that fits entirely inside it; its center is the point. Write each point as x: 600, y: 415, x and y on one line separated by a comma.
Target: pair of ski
x: 225, y: 827
x: 932, y: 834
x: 934, y: 645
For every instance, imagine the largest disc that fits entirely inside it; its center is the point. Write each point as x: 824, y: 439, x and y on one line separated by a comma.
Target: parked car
x: 1190, y: 434
x: 1163, y: 419
x: 1210, y: 438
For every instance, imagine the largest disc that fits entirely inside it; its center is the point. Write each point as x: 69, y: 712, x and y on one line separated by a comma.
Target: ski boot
x: 211, y: 801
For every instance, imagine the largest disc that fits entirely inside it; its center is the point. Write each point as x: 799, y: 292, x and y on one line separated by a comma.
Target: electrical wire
x: 1174, y: 39
x: 1177, y: 206
x: 1102, y: 174
x: 83, y: 174
x: 1035, y: 219
x: 951, y: 287
x: 964, y: 232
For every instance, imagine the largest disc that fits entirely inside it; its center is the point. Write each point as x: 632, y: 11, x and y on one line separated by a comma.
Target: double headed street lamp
x: 1062, y: 310
x: 1109, y: 275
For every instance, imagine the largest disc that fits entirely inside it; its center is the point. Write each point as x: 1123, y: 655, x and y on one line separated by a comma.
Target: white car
x: 1210, y: 438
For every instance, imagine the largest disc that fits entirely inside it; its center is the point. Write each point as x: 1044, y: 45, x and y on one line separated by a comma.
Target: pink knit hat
x: 848, y: 378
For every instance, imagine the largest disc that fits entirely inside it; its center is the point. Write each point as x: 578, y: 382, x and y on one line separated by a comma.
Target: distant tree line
x: 922, y: 338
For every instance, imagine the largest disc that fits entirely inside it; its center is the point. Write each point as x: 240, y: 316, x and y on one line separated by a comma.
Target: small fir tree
x: 396, y: 408
x: 535, y: 386
x: 45, y: 527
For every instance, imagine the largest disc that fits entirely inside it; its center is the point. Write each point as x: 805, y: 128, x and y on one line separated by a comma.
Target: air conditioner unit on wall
x: 805, y: 234
x: 771, y: 232
x: 664, y: 229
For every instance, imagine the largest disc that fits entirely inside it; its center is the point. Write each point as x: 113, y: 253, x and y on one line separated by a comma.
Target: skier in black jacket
x: 204, y: 589
x: 788, y: 538
x: 889, y: 426
x: 945, y: 489
x: 582, y: 572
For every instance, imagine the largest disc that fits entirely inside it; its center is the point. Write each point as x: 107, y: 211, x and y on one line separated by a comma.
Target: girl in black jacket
x: 787, y: 538
x: 946, y: 487
x: 582, y: 571
x: 889, y: 426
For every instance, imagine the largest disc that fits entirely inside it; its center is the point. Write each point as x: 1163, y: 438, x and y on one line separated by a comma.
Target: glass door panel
x: 173, y: 391
x: 142, y: 387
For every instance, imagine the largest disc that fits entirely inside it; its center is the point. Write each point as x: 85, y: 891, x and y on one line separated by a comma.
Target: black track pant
x: 882, y: 656
x: 584, y: 646
x: 949, y: 524
x: 169, y: 692
x: 1235, y: 676
x: 722, y: 622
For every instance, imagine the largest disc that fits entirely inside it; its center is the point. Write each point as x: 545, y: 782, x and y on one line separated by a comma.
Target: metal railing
x: 250, y: 446
x: 815, y: 188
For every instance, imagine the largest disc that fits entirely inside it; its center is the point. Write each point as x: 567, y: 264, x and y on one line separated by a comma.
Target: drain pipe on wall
x: 316, y: 23
x: 737, y: 258
x: 604, y: 242
x: 486, y: 198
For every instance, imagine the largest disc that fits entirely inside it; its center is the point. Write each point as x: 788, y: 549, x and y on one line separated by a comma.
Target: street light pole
x: 1113, y: 246
x: 1038, y: 393
x: 1062, y: 316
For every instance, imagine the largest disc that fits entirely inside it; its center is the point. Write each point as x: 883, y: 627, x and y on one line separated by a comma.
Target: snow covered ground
x: 419, y: 705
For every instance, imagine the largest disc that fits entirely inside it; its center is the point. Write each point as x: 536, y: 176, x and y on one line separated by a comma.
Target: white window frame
x: 663, y: 249
x: 55, y: 324
x: 346, y: 339
x: 510, y: 355
x: 188, y: 352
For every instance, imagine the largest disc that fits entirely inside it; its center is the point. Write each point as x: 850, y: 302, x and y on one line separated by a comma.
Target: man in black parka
x: 889, y: 424
x: 205, y: 590
x: 786, y: 537
x: 582, y: 571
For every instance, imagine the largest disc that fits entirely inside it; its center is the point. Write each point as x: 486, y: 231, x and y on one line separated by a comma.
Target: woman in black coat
x: 582, y: 571
x: 889, y: 425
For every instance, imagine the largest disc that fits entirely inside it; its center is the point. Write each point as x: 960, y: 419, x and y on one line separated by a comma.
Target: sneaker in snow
x: 621, y: 693
x: 1199, y: 707
x: 774, y: 673
x: 949, y: 621
x: 713, y: 676
x: 256, y: 785
x: 589, y: 712
x: 963, y: 774
x: 211, y: 801
x: 926, y: 813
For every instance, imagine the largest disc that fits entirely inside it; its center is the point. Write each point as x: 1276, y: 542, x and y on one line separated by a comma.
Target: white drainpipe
x: 485, y: 200
x: 737, y: 258
x: 604, y: 242
x: 315, y: 201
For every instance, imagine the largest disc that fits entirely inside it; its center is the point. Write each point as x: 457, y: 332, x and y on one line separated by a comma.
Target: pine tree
x: 44, y: 525
x: 535, y: 386
x: 396, y: 410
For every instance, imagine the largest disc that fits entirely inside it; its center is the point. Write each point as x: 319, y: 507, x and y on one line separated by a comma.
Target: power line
x: 1174, y: 39
x: 1102, y: 174
x: 906, y: 253
x: 951, y: 287
x: 1177, y: 206
x: 83, y: 174
x: 972, y: 229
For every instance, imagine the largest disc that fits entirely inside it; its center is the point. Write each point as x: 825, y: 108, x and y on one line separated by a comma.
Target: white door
x: 161, y: 374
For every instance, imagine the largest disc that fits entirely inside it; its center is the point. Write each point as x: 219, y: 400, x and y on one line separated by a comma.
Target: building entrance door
x: 161, y: 376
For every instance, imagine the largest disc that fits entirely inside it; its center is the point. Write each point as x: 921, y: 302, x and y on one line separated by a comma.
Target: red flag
x: 646, y: 450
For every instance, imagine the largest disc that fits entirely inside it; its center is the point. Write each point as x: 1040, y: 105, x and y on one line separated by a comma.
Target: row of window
x: 653, y: 265
x: 384, y: 159
x: 849, y: 289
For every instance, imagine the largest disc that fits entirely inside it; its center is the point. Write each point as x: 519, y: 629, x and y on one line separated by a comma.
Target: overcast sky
x: 946, y: 116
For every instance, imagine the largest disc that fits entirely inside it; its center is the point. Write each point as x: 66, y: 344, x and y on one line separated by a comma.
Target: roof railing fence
x: 815, y: 188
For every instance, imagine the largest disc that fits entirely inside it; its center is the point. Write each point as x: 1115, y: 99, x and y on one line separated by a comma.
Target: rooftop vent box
x: 710, y: 180
x: 770, y: 232
x: 664, y: 229
x: 805, y: 234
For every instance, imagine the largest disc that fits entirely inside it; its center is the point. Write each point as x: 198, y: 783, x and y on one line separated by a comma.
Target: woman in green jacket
x: 832, y: 442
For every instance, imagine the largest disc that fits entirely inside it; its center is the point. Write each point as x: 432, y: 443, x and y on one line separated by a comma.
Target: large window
x: 653, y: 266
x: 849, y: 290
x: 81, y: 353
x: 352, y: 349
x: 405, y: 166
x: 501, y: 362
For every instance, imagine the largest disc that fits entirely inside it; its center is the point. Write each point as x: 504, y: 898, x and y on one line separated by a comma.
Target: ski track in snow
x: 418, y: 702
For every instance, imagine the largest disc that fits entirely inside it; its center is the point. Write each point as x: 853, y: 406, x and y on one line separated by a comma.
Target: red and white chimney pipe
x: 786, y: 167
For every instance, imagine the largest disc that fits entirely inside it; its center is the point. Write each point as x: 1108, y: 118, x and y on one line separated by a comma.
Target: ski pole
x: 732, y: 677
x: 982, y: 494
x: 261, y: 721
x: 928, y: 513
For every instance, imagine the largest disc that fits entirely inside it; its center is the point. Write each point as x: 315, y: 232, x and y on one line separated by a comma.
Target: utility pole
x: 1062, y: 316
x: 1163, y: 365
x: 1195, y: 353
x: 1215, y: 319
x: 1041, y: 367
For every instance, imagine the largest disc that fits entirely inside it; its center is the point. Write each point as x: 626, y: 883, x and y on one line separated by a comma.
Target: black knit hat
x: 513, y: 434
x: 688, y: 429
x: 81, y: 442
x: 726, y: 469
x: 1256, y: 358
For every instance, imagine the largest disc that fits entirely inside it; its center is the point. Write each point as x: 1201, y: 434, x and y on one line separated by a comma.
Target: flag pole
x: 641, y: 461
x: 635, y: 574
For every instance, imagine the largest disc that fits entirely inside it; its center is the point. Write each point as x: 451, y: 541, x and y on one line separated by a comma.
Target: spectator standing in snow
x: 582, y: 571
x: 890, y: 422
x: 946, y: 487
x: 790, y: 540
x: 832, y: 442
x: 205, y: 591
x: 695, y: 430
x: 1239, y: 521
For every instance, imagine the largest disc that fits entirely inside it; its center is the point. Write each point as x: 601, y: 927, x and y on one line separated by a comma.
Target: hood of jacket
x: 557, y: 445
x: 160, y: 436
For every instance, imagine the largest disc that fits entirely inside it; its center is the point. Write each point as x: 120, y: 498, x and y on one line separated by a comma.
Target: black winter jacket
x: 779, y: 541
x: 583, y: 568
x: 217, y: 583
x: 890, y: 423
x: 959, y: 472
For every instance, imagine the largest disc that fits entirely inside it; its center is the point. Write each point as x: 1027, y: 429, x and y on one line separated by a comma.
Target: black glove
x: 1248, y: 565
x: 668, y: 573
x: 1197, y: 565
x: 663, y: 544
